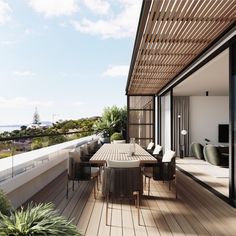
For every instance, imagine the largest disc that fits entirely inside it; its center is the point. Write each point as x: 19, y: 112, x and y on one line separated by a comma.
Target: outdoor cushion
x: 150, y: 146
x: 84, y: 150
x: 157, y: 150
x: 123, y: 164
x: 75, y: 154
x: 168, y: 156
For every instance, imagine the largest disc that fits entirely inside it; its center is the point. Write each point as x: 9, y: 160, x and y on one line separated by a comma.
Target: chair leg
x: 107, y: 199
x: 100, y: 174
x: 149, y: 179
x: 73, y: 185
x: 137, y: 204
x: 94, y: 188
x: 170, y: 185
x: 97, y: 179
x: 176, y: 192
x: 67, y: 188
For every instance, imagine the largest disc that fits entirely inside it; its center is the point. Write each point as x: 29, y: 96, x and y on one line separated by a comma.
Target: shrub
x: 37, y: 220
x: 5, y: 205
x: 36, y: 143
x: 5, y: 154
x: 56, y: 139
x: 116, y: 136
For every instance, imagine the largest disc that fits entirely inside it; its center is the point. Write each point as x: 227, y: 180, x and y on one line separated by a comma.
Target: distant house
x: 44, y: 124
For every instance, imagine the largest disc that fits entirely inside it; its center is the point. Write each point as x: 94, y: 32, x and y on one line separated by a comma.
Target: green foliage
x: 5, y: 205
x: 116, y: 136
x: 56, y: 139
x: 84, y: 127
x: 36, y: 220
x: 36, y: 143
x: 113, y: 119
x: 5, y: 154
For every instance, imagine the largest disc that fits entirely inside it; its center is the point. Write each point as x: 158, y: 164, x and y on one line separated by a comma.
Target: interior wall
x: 206, y: 112
x: 166, y: 122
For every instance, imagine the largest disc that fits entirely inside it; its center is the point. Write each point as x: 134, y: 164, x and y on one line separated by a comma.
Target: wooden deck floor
x: 195, y: 212
x: 214, y: 176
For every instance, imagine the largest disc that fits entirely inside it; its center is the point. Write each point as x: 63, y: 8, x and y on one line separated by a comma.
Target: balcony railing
x: 22, y: 158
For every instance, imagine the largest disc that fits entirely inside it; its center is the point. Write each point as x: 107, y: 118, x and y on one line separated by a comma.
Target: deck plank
x: 127, y: 220
x: 116, y: 218
x: 94, y: 222
x: 104, y: 230
x: 83, y: 221
x: 195, y: 212
x: 179, y: 213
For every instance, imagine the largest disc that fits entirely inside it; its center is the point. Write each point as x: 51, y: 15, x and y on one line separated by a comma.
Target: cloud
x: 51, y: 8
x: 19, y: 102
x: 28, y: 31
x: 117, y: 71
x: 63, y: 24
x: 120, y: 25
x: 77, y: 104
x: 23, y: 73
x: 97, y: 6
x: 5, y: 12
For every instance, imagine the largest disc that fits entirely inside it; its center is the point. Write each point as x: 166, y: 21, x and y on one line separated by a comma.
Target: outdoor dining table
x: 120, y: 152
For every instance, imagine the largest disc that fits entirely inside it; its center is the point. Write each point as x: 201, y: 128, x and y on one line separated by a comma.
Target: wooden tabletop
x: 121, y: 152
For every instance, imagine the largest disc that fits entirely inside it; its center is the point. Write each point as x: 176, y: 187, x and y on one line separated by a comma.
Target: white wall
x: 205, y: 115
x: 166, y: 122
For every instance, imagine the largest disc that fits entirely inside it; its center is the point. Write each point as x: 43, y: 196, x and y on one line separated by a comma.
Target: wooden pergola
x: 170, y: 36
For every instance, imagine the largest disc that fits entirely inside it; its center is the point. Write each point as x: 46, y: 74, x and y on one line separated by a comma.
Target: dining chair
x: 150, y: 147
x: 157, y: 151
x: 157, y: 154
x: 79, y: 170
x: 162, y: 170
x: 122, y: 179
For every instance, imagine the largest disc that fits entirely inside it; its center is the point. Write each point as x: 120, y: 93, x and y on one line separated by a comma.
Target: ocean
x: 9, y: 128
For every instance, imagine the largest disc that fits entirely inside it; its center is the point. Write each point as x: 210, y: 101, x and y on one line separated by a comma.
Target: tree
x: 36, y: 118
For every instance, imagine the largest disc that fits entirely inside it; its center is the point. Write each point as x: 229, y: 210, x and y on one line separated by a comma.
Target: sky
x: 68, y: 58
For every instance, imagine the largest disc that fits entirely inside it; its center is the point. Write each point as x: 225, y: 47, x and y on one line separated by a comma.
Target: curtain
x: 180, y: 123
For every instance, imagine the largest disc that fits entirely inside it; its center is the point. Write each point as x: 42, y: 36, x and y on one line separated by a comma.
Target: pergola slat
x: 175, y: 33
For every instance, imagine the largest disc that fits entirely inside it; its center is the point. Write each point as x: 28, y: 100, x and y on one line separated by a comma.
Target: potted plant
x: 36, y: 220
x: 117, y: 138
x: 5, y: 205
x: 105, y: 137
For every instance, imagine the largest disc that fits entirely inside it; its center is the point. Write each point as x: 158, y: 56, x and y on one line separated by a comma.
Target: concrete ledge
x: 23, y: 192
x: 53, y: 162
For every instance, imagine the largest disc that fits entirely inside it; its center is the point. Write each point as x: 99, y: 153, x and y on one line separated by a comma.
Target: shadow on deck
x: 195, y: 212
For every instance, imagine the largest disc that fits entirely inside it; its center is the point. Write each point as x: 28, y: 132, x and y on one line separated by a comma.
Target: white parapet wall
x: 33, y: 170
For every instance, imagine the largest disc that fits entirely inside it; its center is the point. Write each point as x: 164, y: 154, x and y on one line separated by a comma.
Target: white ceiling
x: 213, y: 77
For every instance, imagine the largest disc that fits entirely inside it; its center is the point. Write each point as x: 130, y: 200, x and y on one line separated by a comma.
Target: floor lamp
x: 179, y: 117
x: 183, y: 132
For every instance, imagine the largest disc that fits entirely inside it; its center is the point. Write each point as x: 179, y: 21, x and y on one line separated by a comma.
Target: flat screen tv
x: 223, y: 133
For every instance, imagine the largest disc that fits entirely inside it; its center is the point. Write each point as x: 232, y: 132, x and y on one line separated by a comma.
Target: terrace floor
x: 214, y: 176
x: 196, y: 211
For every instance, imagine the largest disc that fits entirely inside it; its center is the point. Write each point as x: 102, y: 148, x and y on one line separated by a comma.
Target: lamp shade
x: 184, y: 132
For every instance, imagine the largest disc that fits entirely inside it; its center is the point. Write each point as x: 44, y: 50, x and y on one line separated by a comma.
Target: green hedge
x: 117, y: 136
